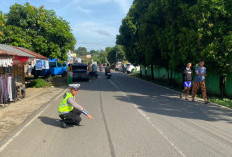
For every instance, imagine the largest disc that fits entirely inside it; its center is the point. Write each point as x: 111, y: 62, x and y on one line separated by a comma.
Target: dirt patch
x: 15, y: 113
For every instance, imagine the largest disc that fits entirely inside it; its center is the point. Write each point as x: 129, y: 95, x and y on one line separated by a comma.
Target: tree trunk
x: 146, y: 72
x: 223, y: 85
x: 171, y: 76
x: 152, y: 72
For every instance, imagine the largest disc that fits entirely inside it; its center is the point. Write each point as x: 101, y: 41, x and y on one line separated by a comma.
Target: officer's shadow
x: 52, y: 121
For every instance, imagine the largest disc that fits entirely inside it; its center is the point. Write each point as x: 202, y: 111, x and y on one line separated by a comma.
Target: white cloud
x: 94, y: 35
x: 83, y: 10
x: 76, y: 5
x: 102, y: 32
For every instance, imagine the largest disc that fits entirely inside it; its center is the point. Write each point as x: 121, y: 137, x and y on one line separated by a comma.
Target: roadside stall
x: 12, y: 73
x: 7, y: 83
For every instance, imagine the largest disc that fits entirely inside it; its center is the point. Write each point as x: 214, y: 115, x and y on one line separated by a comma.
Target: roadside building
x: 13, y: 61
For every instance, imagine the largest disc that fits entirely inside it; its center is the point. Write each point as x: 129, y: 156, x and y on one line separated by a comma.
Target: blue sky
x: 95, y: 23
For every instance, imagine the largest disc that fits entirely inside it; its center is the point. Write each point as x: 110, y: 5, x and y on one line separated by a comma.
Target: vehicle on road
x: 93, y: 74
x: 118, y: 66
x: 131, y: 68
x: 94, y: 71
x: 80, y: 71
x: 101, y: 67
x: 108, y: 75
x: 55, y: 68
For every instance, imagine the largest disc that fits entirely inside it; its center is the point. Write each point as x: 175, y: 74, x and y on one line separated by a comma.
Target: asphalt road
x: 132, y: 118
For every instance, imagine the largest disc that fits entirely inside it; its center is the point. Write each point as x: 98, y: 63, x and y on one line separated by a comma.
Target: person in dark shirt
x: 187, y: 81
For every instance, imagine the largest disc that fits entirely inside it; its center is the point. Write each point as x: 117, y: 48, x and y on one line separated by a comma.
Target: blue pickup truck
x: 55, y: 68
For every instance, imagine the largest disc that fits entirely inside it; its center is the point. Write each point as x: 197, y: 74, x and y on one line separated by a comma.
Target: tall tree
x: 81, y: 51
x: 2, y: 25
x: 39, y: 30
x: 116, y: 54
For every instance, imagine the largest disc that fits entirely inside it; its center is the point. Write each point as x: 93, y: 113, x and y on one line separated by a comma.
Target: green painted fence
x: 212, y: 83
x: 229, y: 85
x: 160, y: 73
x: 149, y: 71
x: 212, y: 80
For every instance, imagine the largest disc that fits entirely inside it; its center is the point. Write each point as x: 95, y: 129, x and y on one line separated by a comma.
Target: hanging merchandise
x: 9, y: 87
x: 3, y: 90
x: 39, y: 65
x: 46, y: 64
x: 43, y: 64
x: 6, y: 61
x: 8, y: 91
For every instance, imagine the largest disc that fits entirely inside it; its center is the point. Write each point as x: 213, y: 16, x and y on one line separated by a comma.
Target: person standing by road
x: 187, y: 81
x: 69, y: 110
x: 200, y: 81
x: 69, y: 74
x: 90, y: 69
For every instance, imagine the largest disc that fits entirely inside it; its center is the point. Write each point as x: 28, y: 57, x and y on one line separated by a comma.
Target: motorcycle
x: 108, y: 75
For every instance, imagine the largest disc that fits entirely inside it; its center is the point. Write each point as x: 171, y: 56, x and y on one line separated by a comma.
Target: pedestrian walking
x: 200, y: 81
x: 187, y: 81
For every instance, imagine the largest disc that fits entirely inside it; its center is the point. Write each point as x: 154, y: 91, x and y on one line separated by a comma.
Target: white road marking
x: 160, y: 131
x: 25, y: 126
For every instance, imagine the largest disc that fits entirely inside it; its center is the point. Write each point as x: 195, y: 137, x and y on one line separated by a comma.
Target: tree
x: 2, y: 25
x: 174, y: 32
x: 115, y: 54
x: 93, y: 52
x: 81, y: 51
x: 38, y: 29
x: 102, y: 55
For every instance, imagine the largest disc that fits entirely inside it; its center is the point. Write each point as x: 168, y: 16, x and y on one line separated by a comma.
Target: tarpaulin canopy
x: 20, y: 60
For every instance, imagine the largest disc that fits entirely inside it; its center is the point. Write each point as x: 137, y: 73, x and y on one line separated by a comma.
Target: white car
x: 131, y: 68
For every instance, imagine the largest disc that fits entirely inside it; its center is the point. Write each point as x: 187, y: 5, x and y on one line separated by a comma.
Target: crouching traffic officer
x: 69, y: 110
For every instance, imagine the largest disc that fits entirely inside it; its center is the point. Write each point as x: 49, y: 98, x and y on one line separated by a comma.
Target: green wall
x: 212, y: 80
x: 212, y: 83
x: 229, y: 85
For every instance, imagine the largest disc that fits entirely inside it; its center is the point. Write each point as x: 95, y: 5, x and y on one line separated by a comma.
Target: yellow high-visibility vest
x: 64, y: 106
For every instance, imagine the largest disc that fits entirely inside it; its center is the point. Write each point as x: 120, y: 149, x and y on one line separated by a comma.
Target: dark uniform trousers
x: 72, y: 118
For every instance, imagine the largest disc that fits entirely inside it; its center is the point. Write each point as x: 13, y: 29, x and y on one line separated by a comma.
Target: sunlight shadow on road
x: 50, y: 121
x: 175, y: 107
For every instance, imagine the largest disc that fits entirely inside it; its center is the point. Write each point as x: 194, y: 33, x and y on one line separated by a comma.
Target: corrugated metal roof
x: 19, y: 51
x: 11, y: 50
x: 38, y: 56
x: 3, y: 52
